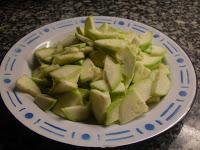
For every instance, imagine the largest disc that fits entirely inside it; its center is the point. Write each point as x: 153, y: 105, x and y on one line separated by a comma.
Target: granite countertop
x: 179, y: 19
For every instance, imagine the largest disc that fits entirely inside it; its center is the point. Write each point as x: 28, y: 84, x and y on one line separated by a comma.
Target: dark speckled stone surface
x: 179, y: 19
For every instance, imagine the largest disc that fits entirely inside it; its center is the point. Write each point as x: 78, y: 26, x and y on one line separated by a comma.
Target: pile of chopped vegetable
x: 104, y: 73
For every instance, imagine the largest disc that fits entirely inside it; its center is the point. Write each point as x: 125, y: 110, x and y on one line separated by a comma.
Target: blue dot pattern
x: 82, y: 21
x: 85, y: 136
x: 121, y: 23
x: 28, y: 115
x: 7, y: 81
x: 183, y: 93
x: 149, y: 126
x: 180, y: 60
x: 46, y: 30
x: 18, y: 50
x: 155, y: 35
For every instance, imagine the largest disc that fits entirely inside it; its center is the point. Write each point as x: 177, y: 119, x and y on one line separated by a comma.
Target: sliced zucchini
x: 44, y: 54
x: 45, y: 102
x: 112, y: 113
x: 87, y: 49
x: 149, y: 61
x: 80, y: 30
x: 87, y: 73
x: 142, y: 88
x: 79, y: 45
x: 140, y: 72
x: 79, y: 62
x: 70, y: 39
x: 111, y: 45
x: 100, y: 85
x: 153, y: 100
x: 84, y: 39
x: 96, y: 34
x: 132, y: 106
x: 119, y: 91
x: 69, y: 50
x: 89, y: 24
x: 161, y: 84
x: 25, y: 84
x: 98, y: 58
x: 40, y: 81
x: 65, y: 72
x: 157, y: 50
x: 164, y: 69
x: 100, y: 102
x: 127, y: 61
x: 67, y: 99
x: 48, y: 68
x: 68, y: 58
x: 76, y: 113
x: 103, y: 27
x: 145, y: 40
x: 85, y: 94
x: 64, y: 86
x: 112, y: 73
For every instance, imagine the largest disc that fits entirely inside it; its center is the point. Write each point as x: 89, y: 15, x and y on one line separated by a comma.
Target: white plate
x: 167, y: 113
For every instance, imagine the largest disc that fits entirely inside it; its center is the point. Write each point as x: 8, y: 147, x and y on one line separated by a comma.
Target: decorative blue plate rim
x: 165, y: 115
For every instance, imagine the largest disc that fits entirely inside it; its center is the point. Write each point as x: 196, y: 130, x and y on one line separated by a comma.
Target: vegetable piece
x: 44, y: 54
x: 86, y: 49
x: 140, y: 72
x: 98, y: 58
x: 96, y: 34
x: 67, y: 99
x: 76, y: 113
x: 100, y: 102
x: 130, y: 36
x: 132, y: 106
x: 79, y: 62
x: 64, y: 86
x: 103, y: 27
x: 65, y: 72
x: 85, y: 94
x: 45, y: 102
x: 98, y: 74
x: 157, y: 50
x: 145, y: 40
x: 161, y: 84
x: 40, y: 81
x: 99, y: 85
x: 112, y: 73
x: 80, y: 30
x: 89, y: 24
x: 70, y: 50
x: 149, y: 61
x: 84, y: 39
x: 25, y: 84
x: 68, y: 58
x: 142, y: 88
x: 48, y: 68
x: 164, y: 69
x: 153, y: 74
x: 80, y: 45
x: 70, y: 39
x: 59, y: 48
x: 119, y: 91
x: 127, y: 61
x: 87, y: 73
x: 112, y: 113
x: 153, y: 100
x: 111, y: 45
